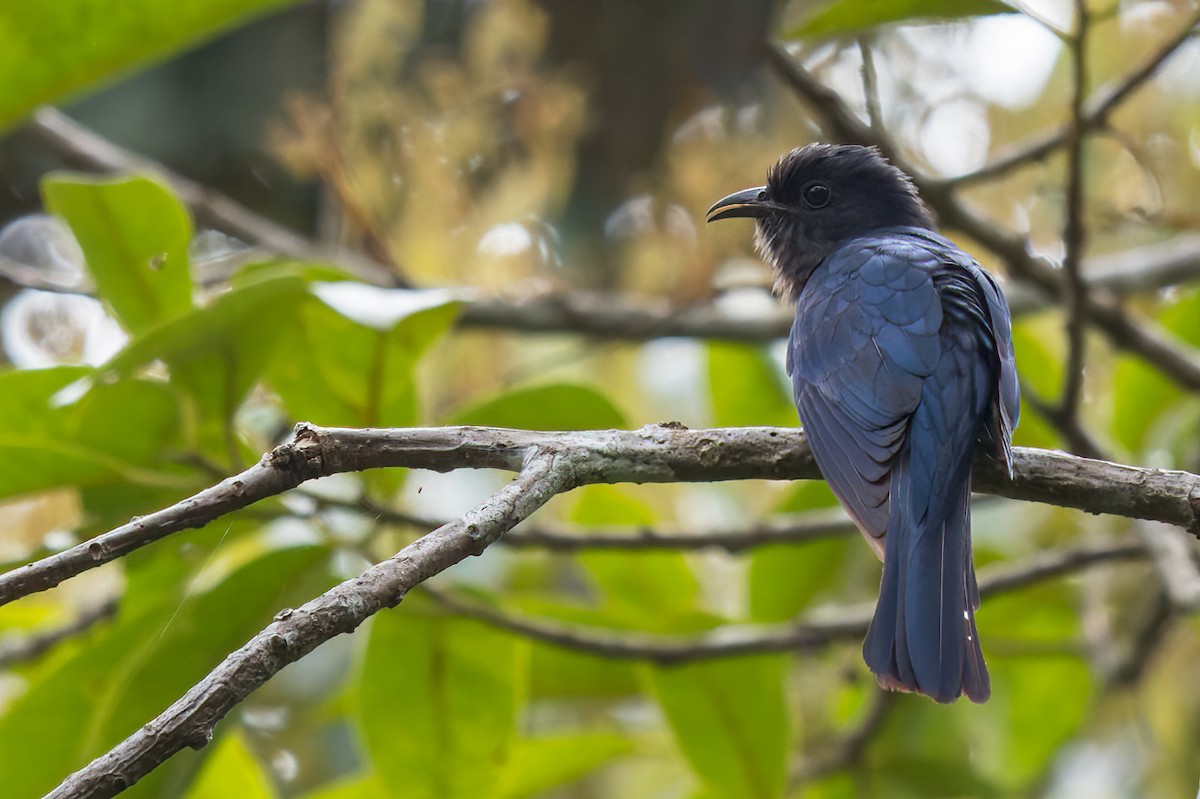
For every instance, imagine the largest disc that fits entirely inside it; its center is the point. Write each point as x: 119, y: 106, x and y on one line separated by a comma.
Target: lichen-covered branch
x: 653, y: 454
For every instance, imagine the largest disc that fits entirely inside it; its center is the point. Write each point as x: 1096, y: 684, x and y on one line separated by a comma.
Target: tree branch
x: 81, y: 146
x: 653, y: 454
x: 597, y: 314
x: 850, y: 623
x: 1098, y: 112
x: 847, y: 750
x: 20, y: 650
x: 295, y: 633
x: 791, y: 529
x: 1173, y: 553
x: 1074, y: 232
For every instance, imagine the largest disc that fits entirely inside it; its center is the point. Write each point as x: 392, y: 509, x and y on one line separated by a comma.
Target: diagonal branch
x: 81, y: 146
x: 791, y: 529
x: 1097, y: 112
x: 846, y: 751
x: 26, y: 648
x: 653, y: 454
x: 295, y: 633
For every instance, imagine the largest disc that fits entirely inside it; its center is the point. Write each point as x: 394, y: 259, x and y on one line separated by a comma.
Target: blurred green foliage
x: 453, y: 162
x: 49, y: 51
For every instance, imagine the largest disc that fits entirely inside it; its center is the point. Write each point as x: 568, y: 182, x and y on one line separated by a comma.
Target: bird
x: 902, y: 368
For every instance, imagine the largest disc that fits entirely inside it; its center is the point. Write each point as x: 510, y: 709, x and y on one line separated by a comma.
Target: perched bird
x: 901, y: 363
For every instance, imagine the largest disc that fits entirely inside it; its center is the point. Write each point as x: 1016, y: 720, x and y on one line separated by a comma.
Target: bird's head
x: 818, y: 197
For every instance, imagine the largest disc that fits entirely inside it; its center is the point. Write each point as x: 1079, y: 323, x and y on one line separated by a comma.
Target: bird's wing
x: 864, y: 339
x: 1007, y: 409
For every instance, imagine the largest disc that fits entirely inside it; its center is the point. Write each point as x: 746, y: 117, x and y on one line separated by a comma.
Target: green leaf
x: 131, y: 671
x: 112, y: 435
x: 933, y: 736
x: 807, y: 495
x: 848, y: 16
x: 785, y: 579
x: 747, y: 387
x: 1038, y: 345
x: 217, y: 353
x: 134, y: 233
x: 51, y: 51
x: 354, y: 788
x: 1029, y: 685
x: 559, y: 672
x: 556, y: 672
x: 1182, y: 317
x: 339, y: 372
x: 1142, y: 396
x: 557, y: 406
x: 1023, y: 686
x: 539, y: 764
x: 439, y: 697
x: 231, y: 770
x: 652, y: 589
x: 932, y: 778
x: 730, y: 720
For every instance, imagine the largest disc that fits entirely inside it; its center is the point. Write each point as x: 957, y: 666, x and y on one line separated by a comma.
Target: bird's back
x: 897, y: 375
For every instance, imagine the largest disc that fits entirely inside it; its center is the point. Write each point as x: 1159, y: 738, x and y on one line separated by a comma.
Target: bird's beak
x: 747, y: 202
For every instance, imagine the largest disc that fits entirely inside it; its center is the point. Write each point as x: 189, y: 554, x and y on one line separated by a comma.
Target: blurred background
x: 223, y: 219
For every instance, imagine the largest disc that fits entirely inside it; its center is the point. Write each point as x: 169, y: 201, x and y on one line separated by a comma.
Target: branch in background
x: 1142, y: 337
x: 1074, y: 233
x: 601, y: 315
x: 189, y: 722
x: 653, y: 454
x: 1097, y: 113
x: 33, y: 645
x: 729, y: 641
x: 1173, y: 553
x: 850, y: 623
x: 792, y: 529
x: 847, y: 751
x: 1151, y: 629
x: 1170, y: 550
x: 83, y: 147
x: 1078, y: 438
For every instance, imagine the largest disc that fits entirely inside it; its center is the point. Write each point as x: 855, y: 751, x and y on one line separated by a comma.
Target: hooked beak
x: 745, y: 203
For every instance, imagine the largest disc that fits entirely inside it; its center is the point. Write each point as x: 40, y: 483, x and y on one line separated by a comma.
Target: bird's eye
x: 817, y: 195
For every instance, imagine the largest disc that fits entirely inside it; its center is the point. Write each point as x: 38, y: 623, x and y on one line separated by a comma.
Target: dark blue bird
x: 902, y: 364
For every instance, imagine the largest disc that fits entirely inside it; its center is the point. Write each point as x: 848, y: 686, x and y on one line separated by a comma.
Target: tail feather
x: 923, y: 636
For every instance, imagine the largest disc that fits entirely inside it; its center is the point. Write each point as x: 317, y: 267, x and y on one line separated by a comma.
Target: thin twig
x: 1078, y: 438
x: 1149, y: 633
x: 79, y: 145
x: 870, y: 81
x: 791, y: 529
x: 847, y: 750
x: 1098, y: 112
x: 1074, y: 232
x: 849, y: 623
x: 29, y: 647
x: 1173, y: 553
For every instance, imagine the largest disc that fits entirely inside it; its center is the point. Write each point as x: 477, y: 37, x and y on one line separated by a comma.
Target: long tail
x: 923, y: 636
